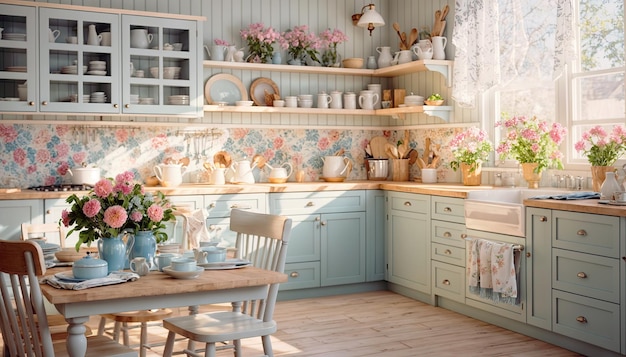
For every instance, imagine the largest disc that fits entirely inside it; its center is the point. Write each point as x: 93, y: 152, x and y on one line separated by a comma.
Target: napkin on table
x: 115, y: 277
x: 569, y: 196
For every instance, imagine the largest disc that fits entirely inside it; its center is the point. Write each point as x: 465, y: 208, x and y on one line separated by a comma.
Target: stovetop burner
x: 60, y: 188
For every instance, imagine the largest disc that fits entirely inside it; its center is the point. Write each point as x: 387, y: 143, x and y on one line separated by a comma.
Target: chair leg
x: 169, y: 344
x: 210, y: 350
x: 143, y: 340
x: 101, y: 326
x: 125, y: 334
x: 117, y: 327
x: 237, y: 348
x: 267, y: 346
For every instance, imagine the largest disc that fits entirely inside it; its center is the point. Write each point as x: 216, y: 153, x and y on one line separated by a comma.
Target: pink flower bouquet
x: 602, y: 148
x: 260, y: 42
x: 299, y: 42
x: 114, y: 206
x: 330, y: 40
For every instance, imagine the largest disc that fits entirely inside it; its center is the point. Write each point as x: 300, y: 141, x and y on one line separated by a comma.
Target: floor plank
x: 379, y: 323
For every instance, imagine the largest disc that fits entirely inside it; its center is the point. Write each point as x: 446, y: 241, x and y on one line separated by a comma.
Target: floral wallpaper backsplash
x: 35, y: 155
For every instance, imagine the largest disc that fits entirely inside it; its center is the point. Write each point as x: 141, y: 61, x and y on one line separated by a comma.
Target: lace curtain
x: 491, y: 43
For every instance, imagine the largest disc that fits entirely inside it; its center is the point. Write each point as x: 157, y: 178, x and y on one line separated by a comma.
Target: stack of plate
x: 74, y: 98
x: 146, y: 100
x: 98, y: 97
x: 14, y: 36
x: 134, y: 99
x: 48, y: 248
x: 16, y: 69
x: 178, y: 99
x: 97, y: 68
x: 413, y: 100
x: 72, y: 69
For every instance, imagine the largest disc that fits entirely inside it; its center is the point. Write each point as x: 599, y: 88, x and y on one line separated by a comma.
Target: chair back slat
x: 24, y: 324
x: 51, y: 232
x: 262, y: 239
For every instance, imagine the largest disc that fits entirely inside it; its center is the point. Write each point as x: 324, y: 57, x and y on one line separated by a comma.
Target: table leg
x: 76, y: 343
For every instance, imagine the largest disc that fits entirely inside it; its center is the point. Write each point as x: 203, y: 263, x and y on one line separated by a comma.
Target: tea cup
x: 279, y: 103
x: 165, y: 259
x: 620, y: 196
x: 291, y: 101
x: 71, y: 39
x: 429, y: 175
x: 183, y: 264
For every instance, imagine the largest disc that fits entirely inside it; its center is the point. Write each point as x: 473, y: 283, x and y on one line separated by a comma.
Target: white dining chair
x: 262, y: 239
x: 51, y: 232
x: 24, y: 326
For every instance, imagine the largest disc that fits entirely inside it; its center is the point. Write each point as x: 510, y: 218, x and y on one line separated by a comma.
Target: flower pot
x: 144, y: 246
x: 598, y: 174
x: 114, y: 251
x: 471, y: 174
x: 531, y: 177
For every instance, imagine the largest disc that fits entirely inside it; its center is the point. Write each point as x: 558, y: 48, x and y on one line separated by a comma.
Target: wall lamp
x: 368, y: 18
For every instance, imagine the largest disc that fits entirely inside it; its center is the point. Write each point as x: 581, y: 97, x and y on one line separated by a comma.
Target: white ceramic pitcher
x: 93, y: 39
x: 242, y: 171
x: 140, y: 38
x: 368, y: 99
x: 439, y: 45
x: 170, y: 175
x: 335, y: 166
x: 53, y: 35
x: 384, y: 57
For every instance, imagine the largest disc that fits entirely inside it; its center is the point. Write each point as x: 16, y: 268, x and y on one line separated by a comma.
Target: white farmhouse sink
x: 500, y: 210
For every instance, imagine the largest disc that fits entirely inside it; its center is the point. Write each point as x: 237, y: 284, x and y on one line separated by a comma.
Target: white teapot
x: 336, y: 166
x: 170, y: 175
x: 280, y: 173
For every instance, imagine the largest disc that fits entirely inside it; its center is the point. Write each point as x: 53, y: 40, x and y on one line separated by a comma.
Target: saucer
x: 68, y: 276
x: 617, y: 203
x: 183, y: 274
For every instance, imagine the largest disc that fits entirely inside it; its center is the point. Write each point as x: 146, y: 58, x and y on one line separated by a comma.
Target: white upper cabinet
x: 161, y: 63
x: 18, y: 58
x: 79, y: 62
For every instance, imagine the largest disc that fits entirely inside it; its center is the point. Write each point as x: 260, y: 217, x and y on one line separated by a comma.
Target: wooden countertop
x: 456, y: 190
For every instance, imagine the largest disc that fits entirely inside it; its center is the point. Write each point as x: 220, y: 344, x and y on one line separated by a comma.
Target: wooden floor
x: 379, y: 323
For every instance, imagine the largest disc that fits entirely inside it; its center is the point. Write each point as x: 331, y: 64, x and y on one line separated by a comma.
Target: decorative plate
x: 258, y: 90
x: 224, y: 87
x: 183, y: 274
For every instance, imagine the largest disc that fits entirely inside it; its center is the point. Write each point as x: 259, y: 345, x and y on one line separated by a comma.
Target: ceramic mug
x: 429, y: 175
x: 140, y: 266
x: 323, y: 100
x: 183, y: 264
x: 165, y: 259
x: 106, y: 39
x: 291, y: 101
x: 349, y: 100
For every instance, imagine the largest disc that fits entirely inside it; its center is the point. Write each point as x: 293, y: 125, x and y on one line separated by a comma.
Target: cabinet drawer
x: 583, y: 232
x: 448, y: 254
x: 317, y: 202
x: 586, y: 274
x: 448, y: 233
x: 414, y: 203
x: 448, y: 281
x: 586, y: 319
x: 448, y: 209
x: 302, y: 276
x: 220, y: 205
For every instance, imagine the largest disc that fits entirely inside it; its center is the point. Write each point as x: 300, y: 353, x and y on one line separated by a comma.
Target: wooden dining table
x: 155, y: 290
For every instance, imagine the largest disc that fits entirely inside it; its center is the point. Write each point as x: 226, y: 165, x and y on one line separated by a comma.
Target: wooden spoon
x: 184, y: 161
x: 412, y: 37
x: 392, y: 151
x: 223, y: 158
x: 396, y: 26
x: 259, y: 160
x: 437, y: 24
x: 403, y: 38
x: 413, y: 155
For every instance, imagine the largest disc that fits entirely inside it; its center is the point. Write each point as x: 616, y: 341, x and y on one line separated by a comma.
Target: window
x: 589, y: 92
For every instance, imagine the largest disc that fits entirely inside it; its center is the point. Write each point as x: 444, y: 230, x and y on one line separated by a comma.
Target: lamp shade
x: 370, y: 18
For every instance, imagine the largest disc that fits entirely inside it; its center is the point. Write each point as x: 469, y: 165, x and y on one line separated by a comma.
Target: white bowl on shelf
x: 244, y: 103
x: 154, y: 71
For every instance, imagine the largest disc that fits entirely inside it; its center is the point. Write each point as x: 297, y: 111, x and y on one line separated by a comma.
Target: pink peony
x: 136, y: 216
x: 91, y: 208
x: 103, y: 188
x: 155, y: 213
x: 65, y: 218
x: 115, y: 216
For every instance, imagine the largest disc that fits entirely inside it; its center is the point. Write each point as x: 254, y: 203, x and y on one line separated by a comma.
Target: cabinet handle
x: 31, y: 103
x: 116, y: 105
x: 323, y: 223
x: 294, y: 274
x: 446, y: 282
x: 212, y: 205
x: 408, y: 204
x: 447, y: 252
x: 310, y: 204
x: 581, y: 319
x: 317, y: 219
x: 447, y: 209
x: 126, y: 106
x: 234, y: 206
x: 543, y: 219
x: 212, y: 227
x: 48, y: 212
x: 581, y: 232
x: 447, y: 234
x: 527, y: 254
x: 463, y: 235
x: 582, y: 275
x: 44, y: 103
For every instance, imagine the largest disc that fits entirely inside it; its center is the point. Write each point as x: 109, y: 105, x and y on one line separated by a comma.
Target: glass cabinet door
x: 80, y: 59
x: 160, y: 58
x: 18, y: 58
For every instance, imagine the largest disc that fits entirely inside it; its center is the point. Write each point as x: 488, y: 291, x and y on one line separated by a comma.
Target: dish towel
x: 492, y: 269
x: 116, y: 277
x: 568, y: 196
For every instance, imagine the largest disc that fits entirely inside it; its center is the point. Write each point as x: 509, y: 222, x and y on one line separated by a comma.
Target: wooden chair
x: 24, y: 325
x: 51, y: 232
x: 262, y: 239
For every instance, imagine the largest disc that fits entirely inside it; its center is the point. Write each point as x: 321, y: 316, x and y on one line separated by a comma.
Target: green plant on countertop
x: 115, y: 206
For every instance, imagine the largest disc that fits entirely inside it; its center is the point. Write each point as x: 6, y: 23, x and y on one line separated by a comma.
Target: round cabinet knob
x: 323, y: 223
x: 116, y: 106
x: 463, y: 235
x: 446, y: 282
x: 543, y: 219
x: 294, y: 274
x: 44, y: 103
x: 408, y: 204
x: 581, y: 319
x: 31, y: 103
x: 127, y: 106
x: 527, y: 254
x: 582, y: 275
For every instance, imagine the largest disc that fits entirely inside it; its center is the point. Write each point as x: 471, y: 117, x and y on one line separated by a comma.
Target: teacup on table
x: 165, y: 259
x: 620, y: 196
x: 183, y: 264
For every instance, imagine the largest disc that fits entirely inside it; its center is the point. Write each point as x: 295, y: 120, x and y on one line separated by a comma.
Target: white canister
x: 429, y: 175
x: 291, y: 101
x: 349, y: 100
x: 367, y: 99
x: 376, y: 88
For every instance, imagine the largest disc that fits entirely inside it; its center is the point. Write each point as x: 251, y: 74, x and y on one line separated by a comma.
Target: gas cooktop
x: 59, y: 188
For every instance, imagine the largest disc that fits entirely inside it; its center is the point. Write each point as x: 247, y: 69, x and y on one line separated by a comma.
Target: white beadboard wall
x: 226, y: 17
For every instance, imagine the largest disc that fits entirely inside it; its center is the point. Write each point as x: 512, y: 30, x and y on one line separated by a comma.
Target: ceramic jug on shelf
x: 439, y: 45
x: 230, y: 54
x: 323, y: 100
x: 368, y: 99
x: 384, y: 57
x: 336, y: 166
x: 217, y: 52
x: 140, y: 38
x: 93, y: 39
x: 283, y: 171
x: 53, y: 35
x: 405, y: 56
x: 336, y: 103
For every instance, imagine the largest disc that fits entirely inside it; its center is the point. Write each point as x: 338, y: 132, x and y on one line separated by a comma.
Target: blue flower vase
x: 145, y: 246
x: 114, y: 251
x: 277, y: 58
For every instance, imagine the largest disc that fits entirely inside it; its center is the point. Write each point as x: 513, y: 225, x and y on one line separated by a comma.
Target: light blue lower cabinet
x: 302, y: 276
x: 590, y: 320
x: 343, y: 248
x: 375, y: 235
x: 448, y: 281
x: 15, y: 212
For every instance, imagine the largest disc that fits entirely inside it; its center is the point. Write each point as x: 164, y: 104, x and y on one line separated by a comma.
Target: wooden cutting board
x: 377, y: 144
